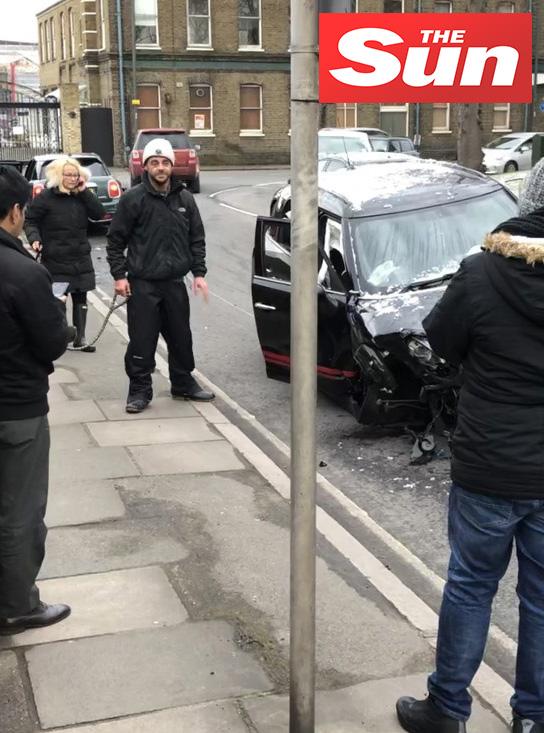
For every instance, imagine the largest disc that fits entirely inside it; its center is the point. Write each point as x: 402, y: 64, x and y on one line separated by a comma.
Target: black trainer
x: 524, y: 725
x: 422, y: 716
x: 42, y: 615
x: 136, y: 404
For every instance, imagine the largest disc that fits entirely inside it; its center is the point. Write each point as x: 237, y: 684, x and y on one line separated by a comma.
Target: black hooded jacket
x: 162, y: 234
x: 491, y: 321
x: 33, y: 332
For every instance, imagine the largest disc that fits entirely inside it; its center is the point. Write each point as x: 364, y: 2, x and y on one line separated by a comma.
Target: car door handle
x: 265, y: 307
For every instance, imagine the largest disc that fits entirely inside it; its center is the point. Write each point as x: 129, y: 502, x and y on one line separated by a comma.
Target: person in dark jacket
x: 56, y: 225
x: 490, y: 322
x: 156, y: 237
x: 33, y: 333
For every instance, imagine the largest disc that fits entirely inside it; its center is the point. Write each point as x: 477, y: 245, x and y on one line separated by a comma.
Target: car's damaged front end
x: 401, y: 382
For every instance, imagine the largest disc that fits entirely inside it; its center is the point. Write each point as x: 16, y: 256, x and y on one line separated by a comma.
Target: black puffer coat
x: 60, y: 222
x: 491, y: 321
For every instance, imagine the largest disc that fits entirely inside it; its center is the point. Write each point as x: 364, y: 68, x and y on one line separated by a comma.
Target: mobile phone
x: 60, y: 289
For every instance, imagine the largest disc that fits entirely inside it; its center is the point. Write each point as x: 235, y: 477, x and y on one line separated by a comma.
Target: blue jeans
x: 481, y: 531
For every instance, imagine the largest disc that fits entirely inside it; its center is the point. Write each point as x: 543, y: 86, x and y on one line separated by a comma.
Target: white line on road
x: 241, y: 211
x: 224, y: 190
x: 488, y: 684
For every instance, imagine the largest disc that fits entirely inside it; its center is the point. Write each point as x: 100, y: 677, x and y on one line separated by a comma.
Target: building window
x: 198, y: 23
x: 72, y: 44
x: 442, y: 6
x: 249, y: 24
x: 62, y: 38
x: 42, y: 44
x: 149, y: 111
x: 394, y: 119
x: 200, y: 108
x: 501, y: 117
x: 146, y: 23
x: 441, y: 117
x: 346, y: 115
x: 251, y: 109
x: 102, y: 11
x: 393, y: 6
x: 506, y: 8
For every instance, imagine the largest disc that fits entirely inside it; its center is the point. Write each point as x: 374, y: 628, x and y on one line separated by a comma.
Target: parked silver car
x: 509, y: 153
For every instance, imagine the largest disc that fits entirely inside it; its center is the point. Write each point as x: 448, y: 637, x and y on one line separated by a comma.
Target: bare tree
x: 469, y: 117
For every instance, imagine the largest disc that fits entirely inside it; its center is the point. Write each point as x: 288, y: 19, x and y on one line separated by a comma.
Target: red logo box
x: 425, y: 57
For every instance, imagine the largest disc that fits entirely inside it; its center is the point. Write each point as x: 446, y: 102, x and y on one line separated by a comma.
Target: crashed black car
x: 391, y: 235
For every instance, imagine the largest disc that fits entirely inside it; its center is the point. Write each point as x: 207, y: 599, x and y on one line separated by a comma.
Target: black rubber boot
x: 79, y: 319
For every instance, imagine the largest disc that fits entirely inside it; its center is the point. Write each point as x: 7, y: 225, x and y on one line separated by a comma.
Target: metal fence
x: 29, y: 124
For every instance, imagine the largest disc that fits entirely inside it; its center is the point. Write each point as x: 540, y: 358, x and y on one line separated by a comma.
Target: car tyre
x: 195, y: 185
x: 135, y: 180
x: 511, y: 167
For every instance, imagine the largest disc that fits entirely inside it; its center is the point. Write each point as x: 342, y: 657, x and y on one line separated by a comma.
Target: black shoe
x: 193, y: 393
x: 136, y: 404
x: 524, y: 725
x: 43, y: 615
x: 422, y: 716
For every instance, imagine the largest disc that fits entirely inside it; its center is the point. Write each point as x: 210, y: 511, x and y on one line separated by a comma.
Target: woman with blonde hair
x: 56, y: 225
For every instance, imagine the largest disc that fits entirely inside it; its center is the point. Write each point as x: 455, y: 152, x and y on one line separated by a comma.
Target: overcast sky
x: 18, y: 19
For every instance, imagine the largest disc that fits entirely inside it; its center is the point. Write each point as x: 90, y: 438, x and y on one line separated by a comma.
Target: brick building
x: 220, y: 68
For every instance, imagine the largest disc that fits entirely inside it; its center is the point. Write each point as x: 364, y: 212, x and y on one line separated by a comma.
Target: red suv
x: 187, y: 165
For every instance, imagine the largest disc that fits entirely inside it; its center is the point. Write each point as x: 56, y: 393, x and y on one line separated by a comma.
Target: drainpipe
x: 119, y: 19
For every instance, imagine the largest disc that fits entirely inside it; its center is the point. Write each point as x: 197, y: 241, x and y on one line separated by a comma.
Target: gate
x: 29, y: 123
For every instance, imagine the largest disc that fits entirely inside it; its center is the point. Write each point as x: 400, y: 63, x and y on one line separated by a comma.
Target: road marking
x: 271, y: 183
x: 241, y: 211
x: 488, y: 684
x: 224, y: 190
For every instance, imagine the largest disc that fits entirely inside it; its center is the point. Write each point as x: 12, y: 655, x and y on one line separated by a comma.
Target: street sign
x: 135, y: 102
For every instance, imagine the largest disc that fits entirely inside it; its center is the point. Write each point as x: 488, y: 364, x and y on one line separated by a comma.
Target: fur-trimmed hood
x: 530, y: 249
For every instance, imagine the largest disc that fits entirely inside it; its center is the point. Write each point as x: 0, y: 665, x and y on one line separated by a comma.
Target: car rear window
x: 93, y: 165
x: 178, y: 140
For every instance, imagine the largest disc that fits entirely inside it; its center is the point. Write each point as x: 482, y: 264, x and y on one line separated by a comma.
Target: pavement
x: 172, y: 547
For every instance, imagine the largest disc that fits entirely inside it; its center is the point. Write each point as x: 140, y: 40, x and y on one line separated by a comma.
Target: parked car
x: 339, y: 140
x: 394, y: 145
x: 102, y: 182
x: 331, y: 163
x: 187, y: 165
x: 509, y: 153
x: 371, y: 131
x: 391, y: 235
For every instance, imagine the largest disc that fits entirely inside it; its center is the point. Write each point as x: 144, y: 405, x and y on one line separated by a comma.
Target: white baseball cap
x: 160, y: 148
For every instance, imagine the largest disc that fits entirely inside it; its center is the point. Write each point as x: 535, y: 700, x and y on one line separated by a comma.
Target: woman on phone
x: 56, y: 225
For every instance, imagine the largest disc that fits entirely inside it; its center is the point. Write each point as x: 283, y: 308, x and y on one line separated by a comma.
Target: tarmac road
x: 373, y: 471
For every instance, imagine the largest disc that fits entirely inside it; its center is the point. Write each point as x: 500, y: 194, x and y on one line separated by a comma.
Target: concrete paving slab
x: 74, y: 411
x: 219, y: 717
x: 88, y: 464
x: 160, y: 407
x: 14, y: 714
x: 121, y: 544
x: 193, y: 458
x: 107, y: 603
x: 210, y: 413
x: 56, y: 394
x: 70, y: 436
x: 63, y: 376
x: 369, y: 706
x: 152, y: 432
x: 139, y: 671
x: 83, y: 502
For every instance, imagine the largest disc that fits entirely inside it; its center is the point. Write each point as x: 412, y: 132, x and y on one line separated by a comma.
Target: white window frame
x: 53, y: 39
x: 62, y: 37
x: 443, y: 3
x: 343, y: 107
x: 71, y: 30
x: 102, y: 26
x: 442, y: 130
x: 157, y: 44
x: 397, y: 108
x: 259, y: 46
x: 159, y: 102
x: 209, y: 131
x: 253, y: 132
x: 501, y: 108
x: 207, y: 46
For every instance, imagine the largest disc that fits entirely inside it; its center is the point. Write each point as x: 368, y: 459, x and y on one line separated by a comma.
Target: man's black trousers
x: 158, y: 307
x: 24, y: 475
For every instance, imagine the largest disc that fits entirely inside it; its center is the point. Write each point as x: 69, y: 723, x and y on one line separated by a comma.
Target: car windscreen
x: 330, y: 145
x: 504, y: 143
x: 93, y: 165
x: 178, y: 140
x: 394, y: 251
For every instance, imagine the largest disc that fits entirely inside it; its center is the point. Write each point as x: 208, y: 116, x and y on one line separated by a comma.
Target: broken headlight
x: 419, y: 348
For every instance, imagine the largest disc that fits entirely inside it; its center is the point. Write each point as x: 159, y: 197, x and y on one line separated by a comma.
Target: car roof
x: 521, y: 135
x: 399, y: 185
x: 340, y: 132
x: 55, y: 156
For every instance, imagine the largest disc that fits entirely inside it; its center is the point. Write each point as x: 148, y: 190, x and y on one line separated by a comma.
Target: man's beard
x: 163, y: 185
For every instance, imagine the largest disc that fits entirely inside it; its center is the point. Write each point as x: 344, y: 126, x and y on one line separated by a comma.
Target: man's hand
x: 36, y: 246
x: 201, y: 286
x: 122, y: 288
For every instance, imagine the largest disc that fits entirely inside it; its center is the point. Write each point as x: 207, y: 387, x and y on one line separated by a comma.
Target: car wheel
x: 135, y: 180
x: 510, y: 167
x: 195, y: 185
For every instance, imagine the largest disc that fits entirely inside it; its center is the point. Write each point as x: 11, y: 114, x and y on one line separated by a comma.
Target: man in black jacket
x: 33, y: 334
x: 490, y: 321
x: 158, y: 225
